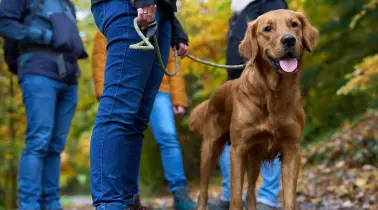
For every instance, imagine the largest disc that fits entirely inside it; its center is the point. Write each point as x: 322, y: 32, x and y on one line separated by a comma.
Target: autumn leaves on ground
x: 339, y: 172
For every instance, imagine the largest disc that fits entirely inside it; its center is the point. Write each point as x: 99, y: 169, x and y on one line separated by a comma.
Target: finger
x: 151, y: 13
x: 186, y: 49
x: 148, y: 14
x: 150, y: 18
x: 182, y: 51
x: 185, y: 46
x: 140, y: 13
x: 145, y: 15
x: 141, y: 21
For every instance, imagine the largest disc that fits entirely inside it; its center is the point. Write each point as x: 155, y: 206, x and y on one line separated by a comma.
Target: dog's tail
x: 197, y: 117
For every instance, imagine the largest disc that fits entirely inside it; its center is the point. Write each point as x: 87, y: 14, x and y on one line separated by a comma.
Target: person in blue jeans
x: 267, y: 197
x: 170, y: 100
x: 131, y: 82
x: 49, y: 96
x: 245, y: 11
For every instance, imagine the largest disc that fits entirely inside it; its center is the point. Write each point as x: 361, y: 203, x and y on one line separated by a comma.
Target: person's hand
x: 146, y: 15
x: 182, y: 49
x: 179, y: 110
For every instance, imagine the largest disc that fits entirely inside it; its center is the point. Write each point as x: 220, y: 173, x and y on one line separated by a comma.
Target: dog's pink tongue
x: 289, y: 65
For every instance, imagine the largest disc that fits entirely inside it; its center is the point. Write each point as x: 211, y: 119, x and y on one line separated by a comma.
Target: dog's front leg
x: 289, y: 172
x: 237, y: 176
x: 253, y: 170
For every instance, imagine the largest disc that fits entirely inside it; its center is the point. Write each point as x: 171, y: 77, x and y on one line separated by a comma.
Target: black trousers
x: 238, y: 26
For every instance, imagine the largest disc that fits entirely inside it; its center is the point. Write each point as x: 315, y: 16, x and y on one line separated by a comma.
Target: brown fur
x: 260, y: 113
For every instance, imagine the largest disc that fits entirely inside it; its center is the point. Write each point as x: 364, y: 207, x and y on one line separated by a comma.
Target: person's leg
x: 65, y: 109
x: 39, y: 97
x: 130, y: 86
x: 164, y: 129
x: 271, y: 174
x: 224, y: 165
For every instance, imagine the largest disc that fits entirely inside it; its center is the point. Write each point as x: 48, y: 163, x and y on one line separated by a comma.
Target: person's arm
x: 178, y: 34
x: 11, y: 14
x: 142, y: 3
x: 177, y: 84
x: 179, y: 39
x: 99, y: 54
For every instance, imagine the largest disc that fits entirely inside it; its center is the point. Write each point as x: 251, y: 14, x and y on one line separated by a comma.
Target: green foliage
x: 339, y: 50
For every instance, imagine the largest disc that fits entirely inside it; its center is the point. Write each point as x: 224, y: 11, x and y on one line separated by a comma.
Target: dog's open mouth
x: 286, y: 64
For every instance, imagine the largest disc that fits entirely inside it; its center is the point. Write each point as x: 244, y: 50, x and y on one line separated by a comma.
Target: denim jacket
x: 37, y: 35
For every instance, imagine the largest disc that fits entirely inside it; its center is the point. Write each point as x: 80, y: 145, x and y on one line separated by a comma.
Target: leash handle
x: 145, y: 44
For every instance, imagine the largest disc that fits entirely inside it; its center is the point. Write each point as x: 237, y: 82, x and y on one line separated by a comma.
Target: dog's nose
x: 288, y: 40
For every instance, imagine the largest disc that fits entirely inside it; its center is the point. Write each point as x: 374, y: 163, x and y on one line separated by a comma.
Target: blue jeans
x: 271, y: 174
x: 164, y: 129
x: 132, y: 80
x: 50, y: 106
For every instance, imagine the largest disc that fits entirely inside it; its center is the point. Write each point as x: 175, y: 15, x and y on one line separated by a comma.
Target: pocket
x: 32, y: 83
x: 68, y: 68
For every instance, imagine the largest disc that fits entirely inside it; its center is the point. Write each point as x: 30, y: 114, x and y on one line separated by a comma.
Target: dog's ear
x: 248, y: 46
x: 309, y: 33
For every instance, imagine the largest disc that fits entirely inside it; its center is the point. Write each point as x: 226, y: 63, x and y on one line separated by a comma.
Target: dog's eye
x: 268, y: 29
x: 294, y: 24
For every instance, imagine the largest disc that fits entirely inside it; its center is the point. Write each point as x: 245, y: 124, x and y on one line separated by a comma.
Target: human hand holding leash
x: 146, y: 15
x: 182, y: 49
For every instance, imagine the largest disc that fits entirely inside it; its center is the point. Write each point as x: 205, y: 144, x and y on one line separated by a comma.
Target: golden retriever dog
x: 261, y: 113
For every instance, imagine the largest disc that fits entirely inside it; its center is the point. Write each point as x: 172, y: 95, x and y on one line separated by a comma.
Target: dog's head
x: 280, y: 38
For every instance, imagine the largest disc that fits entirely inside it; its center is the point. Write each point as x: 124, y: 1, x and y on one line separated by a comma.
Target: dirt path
x: 84, y: 203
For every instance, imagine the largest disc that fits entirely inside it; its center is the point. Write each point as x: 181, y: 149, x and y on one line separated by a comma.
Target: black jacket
x: 143, y: 3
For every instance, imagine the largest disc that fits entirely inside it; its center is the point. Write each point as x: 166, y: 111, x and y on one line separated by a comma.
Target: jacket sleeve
x: 177, y: 83
x: 12, y: 13
x: 178, y: 34
x: 99, y: 54
x: 142, y: 3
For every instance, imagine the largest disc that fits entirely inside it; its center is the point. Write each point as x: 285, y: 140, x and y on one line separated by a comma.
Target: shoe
x: 182, y: 200
x: 136, y: 204
x: 218, y: 204
x: 261, y: 206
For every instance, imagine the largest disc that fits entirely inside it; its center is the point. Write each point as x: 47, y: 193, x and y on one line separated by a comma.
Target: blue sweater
x: 37, y: 35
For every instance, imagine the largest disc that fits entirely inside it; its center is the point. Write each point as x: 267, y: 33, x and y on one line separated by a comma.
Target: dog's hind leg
x: 289, y: 172
x: 211, y: 149
x: 253, y: 170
